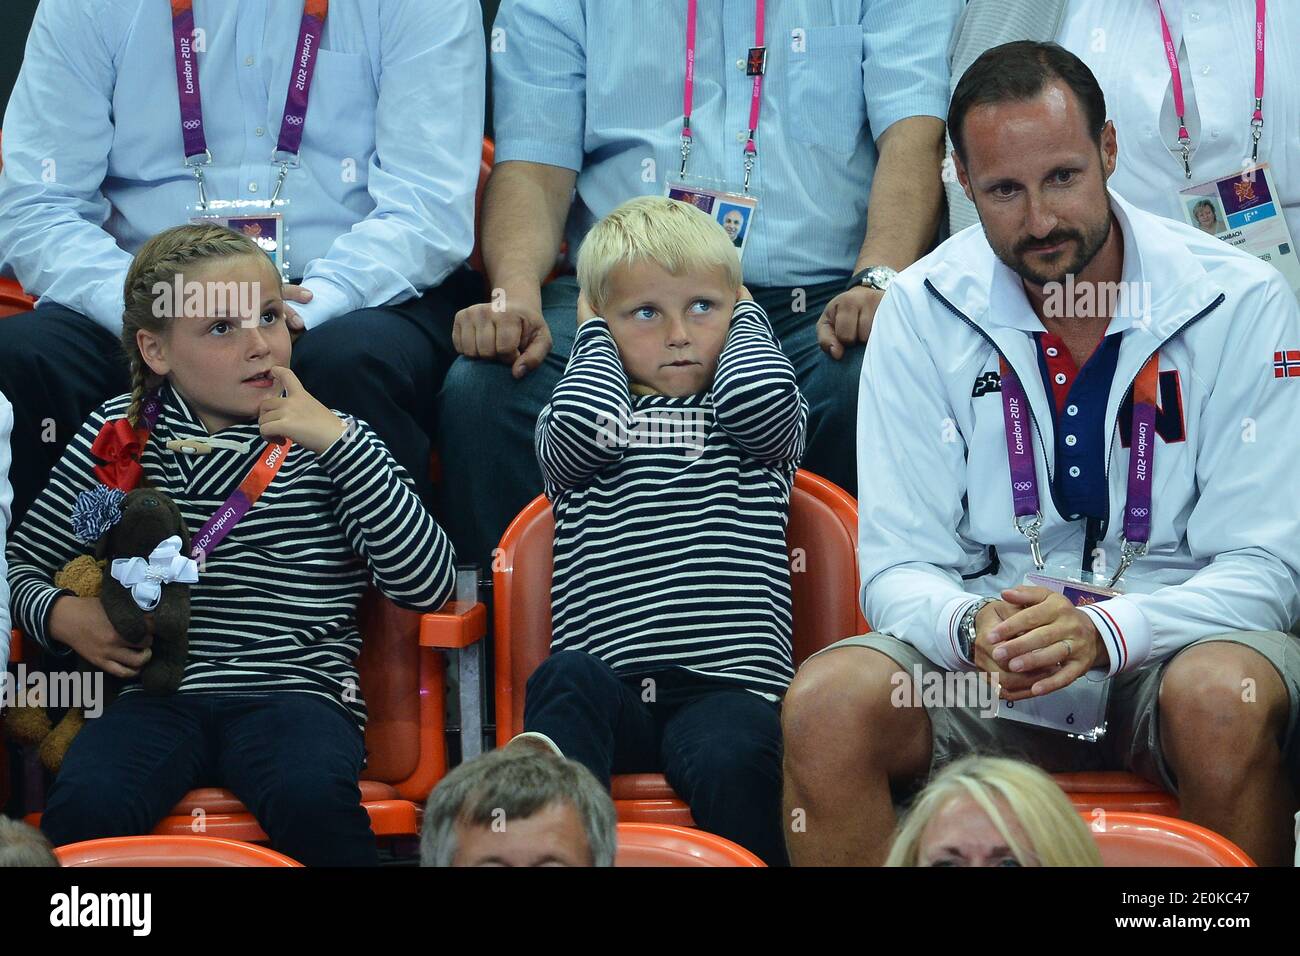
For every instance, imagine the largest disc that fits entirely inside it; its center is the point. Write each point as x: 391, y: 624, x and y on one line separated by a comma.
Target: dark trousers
x: 493, y: 478
x: 292, y: 759
x: 385, y: 365
x: 719, y: 746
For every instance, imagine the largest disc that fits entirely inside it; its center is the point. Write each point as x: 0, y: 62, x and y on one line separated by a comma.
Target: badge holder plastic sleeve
x: 262, y: 220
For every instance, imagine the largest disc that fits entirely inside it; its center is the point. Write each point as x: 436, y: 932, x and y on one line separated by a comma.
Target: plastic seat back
x: 1144, y: 839
x: 821, y: 538
x: 169, y: 851
x: 658, y: 844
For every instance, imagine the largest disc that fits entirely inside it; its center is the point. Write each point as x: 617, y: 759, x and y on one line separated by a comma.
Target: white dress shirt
x: 1121, y: 42
x: 381, y: 208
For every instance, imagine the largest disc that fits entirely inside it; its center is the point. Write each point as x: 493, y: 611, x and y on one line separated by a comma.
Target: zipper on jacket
x: 1047, y: 462
x: 1128, y: 394
x: 994, y: 565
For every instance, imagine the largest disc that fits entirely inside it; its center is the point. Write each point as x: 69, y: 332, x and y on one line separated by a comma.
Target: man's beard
x: 1086, y: 245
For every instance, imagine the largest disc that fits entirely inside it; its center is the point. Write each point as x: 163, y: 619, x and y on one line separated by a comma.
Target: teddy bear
x: 145, y: 552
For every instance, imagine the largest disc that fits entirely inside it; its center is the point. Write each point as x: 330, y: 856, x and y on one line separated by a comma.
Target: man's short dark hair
x: 1019, y: 71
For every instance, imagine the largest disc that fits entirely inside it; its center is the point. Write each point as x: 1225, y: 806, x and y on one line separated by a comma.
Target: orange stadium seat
x: 13, y: 299
x: 821, y: 539
x: 169, y: 851
x: 1145, y: 839
x: 661, y: 844
x: 402, y: 680
x: 1116, y: 790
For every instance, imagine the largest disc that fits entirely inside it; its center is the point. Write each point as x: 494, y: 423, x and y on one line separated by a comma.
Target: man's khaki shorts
x: 1132, y: 739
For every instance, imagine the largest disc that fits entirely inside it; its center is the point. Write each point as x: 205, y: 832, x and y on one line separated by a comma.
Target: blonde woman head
x: 992, y: 811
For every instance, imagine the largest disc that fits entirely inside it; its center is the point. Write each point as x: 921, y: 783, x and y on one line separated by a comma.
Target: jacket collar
x: 1165, y: 286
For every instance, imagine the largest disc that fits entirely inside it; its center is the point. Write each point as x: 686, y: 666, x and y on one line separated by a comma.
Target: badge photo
x: 1243, y: 211
x: 733, y: 211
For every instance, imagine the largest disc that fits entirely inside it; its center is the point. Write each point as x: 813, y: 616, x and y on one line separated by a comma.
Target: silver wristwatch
x: 873, y: 277
x: 966, y: 630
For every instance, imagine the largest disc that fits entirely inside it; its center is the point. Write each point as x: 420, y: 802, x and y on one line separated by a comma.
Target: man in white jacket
x: 1078, y: 305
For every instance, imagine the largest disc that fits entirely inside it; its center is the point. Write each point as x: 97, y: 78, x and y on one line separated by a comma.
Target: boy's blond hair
x: 1000, y: 787
x: 674, y: 235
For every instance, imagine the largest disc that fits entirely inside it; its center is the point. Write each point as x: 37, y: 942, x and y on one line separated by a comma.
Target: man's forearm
x: 906, y: 194
x: 524, y: 210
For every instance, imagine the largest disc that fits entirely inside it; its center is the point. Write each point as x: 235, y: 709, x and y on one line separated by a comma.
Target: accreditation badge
x: 733, y: 211
x: 1244, y: 211
x: 261, y: 220
x: 1078, y: 710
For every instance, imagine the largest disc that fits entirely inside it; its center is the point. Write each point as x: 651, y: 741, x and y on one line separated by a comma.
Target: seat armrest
x: 455, y: 625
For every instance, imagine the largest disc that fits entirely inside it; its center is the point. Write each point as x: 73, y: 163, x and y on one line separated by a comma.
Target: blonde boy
x: 668, y: 451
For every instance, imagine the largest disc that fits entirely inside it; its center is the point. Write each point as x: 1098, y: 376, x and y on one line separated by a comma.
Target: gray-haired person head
x: 519, y: 807
x: 23, y: 845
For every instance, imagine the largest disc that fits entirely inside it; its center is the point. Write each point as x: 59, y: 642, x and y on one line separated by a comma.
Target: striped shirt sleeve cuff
x: 1125, y: 632
x: 34, y: 618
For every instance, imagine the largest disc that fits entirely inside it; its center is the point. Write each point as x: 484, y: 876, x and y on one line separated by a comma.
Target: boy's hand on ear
x: 743, y: 294
x: 297, y: 415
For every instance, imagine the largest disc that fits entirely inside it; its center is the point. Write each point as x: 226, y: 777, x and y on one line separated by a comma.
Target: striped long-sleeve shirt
x: 670, y: 513
x: 275, y: 606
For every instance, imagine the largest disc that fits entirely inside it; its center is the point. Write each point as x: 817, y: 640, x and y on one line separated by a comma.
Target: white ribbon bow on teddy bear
x: 145, y: 578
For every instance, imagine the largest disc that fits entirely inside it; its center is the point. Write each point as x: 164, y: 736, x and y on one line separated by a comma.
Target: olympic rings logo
x: 1022, y: 486
x: 191, y: 124
x: 293, y: 120
x: 1138, y: 512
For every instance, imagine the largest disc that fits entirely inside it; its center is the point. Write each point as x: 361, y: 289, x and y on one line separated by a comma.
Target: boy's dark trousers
x: 293, y: 759
x: 718, y: 744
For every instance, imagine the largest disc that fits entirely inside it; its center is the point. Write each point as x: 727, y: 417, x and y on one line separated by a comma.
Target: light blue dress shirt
x: 381, y: 208
x: 596, y: 86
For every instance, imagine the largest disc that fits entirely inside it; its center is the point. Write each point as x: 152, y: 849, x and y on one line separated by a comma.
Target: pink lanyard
x: 1256, y: 120
x: 756, y: 64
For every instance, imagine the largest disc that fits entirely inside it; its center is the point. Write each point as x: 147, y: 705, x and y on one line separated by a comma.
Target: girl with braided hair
x: 294, y: 510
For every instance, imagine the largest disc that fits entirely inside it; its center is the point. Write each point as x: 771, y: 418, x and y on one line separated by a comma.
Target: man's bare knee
x: 1221, y: 705
x: 839, y: 714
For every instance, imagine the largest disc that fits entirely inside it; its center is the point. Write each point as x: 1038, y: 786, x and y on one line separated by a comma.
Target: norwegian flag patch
x: 1286, y: 364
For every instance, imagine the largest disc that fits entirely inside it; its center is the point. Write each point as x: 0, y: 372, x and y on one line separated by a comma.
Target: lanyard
x: 1142, y: 448
x: 241, y: 500
x: 756, y: 66
x: 1256, y: 119
x: 285, y: 154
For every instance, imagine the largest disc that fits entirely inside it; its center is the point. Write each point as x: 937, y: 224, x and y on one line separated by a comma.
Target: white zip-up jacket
x: 935, y: 514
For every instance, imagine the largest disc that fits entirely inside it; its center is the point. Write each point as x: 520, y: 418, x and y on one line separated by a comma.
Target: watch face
x: 880, y: 277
